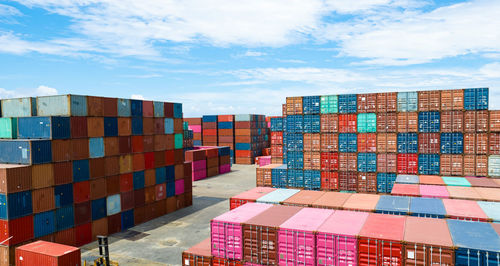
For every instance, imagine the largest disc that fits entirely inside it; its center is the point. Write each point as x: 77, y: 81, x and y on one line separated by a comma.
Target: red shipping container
x: 367, y: 183
x: 452, y: 100
x: 329, y: 123
x: 407, y: 122
x: 138, y: 162
x: 387, y: 102
x: 139, y: 198
x: 126, y: 182
x: 127, y: 200
x: 452, y: 121
x: 81, y: 191
x: 329, y: 161
x: 348, y: 181
x: 63, y: 173
x: 387, y: 163
x: 83, y: 234
x: 387, y: 142
x: 66, y: 237
x: 20, y: 229
x: 348, y: 123
x: 329, y: 142
x: 380, y: 241
x: 169, y: 110
x: 114, y: 223
x: 452, y: 165
x: 329, y: 180
x: 387, y: 122
x: 407, y: 163
x: 225, y: 118
x: 125, y: 145
x: 367, y: 142
x: 78, y: 127
x: 367, y: 103
x: 464, y: 210
x: 149, y: 160
x: 225, y: 262
x: 476, y: 143
x: 249, y: 196
x: 429, y: 100
x: 429, y: 143
x: 348, y: 161
x: 276, y: 151
x: 137, y: 144
x: 312, y: 142
x: 47, y: 253
x: 276, y: 138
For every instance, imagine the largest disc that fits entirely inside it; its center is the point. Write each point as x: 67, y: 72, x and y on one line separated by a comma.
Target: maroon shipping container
x: 367, y: 182
x: 114, y: 223
x: 139, y: 198
x: 429, y: 143
x: 160, y: 142
x: 137, y: 144
x: 260, y: 234
x: 47, y: 253
x: 148, y: 143
x: 139, y: 215
x: 61, y: 150
x: 407, y: 122
x: 127, y: 200
x: 112, y: 165
x: 95, y: 106
x: 110, y: 108
x: 348, y: 161
x: 14, y: 178
x: 169, y: 110
x: 159, y: 158
x: 452, y: 121
x: 148, y: 109
x: 367, y: 103
x: 452, y: 165
x: 159, y: 126
x: 387, y: 163
x: 452, y: 100
x: 329, y: 123
x: 387, y: 122
x: 330, y: 142
x: 80, y: 149
x: 63, y: 173
x: 83, y: 234
x: 66, y: 237
x: 126, y: 182
x: 312, y: 142
x: 387, y: 102
x: 43, y: 199
x: 476, y: 143
x: 125, y: 145
x: 348, y: 181
x: 83, y: 213
x: 367, y: 142
x: 429, y: 100
x: 97, y: 167
x: 78, y: 127
x: 387, y: 142
x: 111, y: 146
x: 98, y: 188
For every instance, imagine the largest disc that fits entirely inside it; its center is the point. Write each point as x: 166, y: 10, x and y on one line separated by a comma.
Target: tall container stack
x: 209, y: 131
x: 250, y: 131
x: 74, y: 167
x: 188, y: 136
x: 195, y: 124
x: 277, y: 139
x: 226, y: 132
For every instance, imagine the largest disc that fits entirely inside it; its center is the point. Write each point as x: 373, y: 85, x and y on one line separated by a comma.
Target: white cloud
x: 254, y: 53
x: 491, y: 70
x: 41, y: 90
x: 6, y: 10
x: 137, y: 97
x: 44, y: 91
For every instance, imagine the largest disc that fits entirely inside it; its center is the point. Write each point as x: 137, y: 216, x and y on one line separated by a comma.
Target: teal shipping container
x: 159, y: 109
x: 408, y: 101
x: 113, y: 204
x: 456, y: 181
x: 62, y: 105
x: 169, y: 126
x: 8, y: 127
x: 329, y: 104
x: 96, y: 147
x: 492, y: 210
x: 123, y: 108
x: 367, y: 123
x: 243, y: 118
x: 178, y: 141
x: 20, y: 107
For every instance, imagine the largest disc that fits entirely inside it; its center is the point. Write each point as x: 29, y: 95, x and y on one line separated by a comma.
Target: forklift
x: 103, y: 259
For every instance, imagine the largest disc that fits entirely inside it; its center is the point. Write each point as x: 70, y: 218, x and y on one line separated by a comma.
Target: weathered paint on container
x: 427, y: 207
x: 396, y: 205
x: 113, y: 204
x: 463, y: 193
x: 8, y: 127
x: 494, y: 165
x: 65, y: 218
x: 296, y: 237
x: 492, y: 210
x: 62, y: 105
x: 336, y: 239
x: 25, y: 151
x: 198, y: 254
x: 44, y: 127
x: 15, y: 205
x: 20, y: 230
x: 44, y: 224
x: 277, y: 196
x: 14, y: 178
x: 407, y: 101
x: 47, y: 253
x: 227, y: 232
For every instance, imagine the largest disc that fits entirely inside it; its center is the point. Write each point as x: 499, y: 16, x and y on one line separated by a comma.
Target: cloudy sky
x: 234, y: 56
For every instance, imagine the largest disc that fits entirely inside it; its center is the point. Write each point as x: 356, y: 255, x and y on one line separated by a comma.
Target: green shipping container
x: 329, y: 104
x: 8, y: 128
x: 367, y: 123
x: 178, y: 141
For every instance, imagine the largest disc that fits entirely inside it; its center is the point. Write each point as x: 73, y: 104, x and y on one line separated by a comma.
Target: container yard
x: 269, y: 133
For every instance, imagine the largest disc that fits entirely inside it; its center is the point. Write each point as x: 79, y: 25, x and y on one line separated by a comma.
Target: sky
x: 235, y: 56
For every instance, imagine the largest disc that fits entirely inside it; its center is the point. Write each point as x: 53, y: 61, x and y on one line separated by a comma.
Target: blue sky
x: 234, y: 56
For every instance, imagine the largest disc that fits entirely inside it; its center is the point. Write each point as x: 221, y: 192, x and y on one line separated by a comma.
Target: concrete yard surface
x: 161, y: 241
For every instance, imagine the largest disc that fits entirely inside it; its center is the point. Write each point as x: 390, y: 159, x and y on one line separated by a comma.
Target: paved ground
x: 162, y: 240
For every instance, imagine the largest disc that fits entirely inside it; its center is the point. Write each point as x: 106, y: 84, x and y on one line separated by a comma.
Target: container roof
x: 304, y: 197
x: 48, y: 248
x: 406, y: 189
x: 427, y: 206
x: 278, y: 195
x: 434, y: 191
x: 384, y: 227
x: 463, y: 208
x: 366, y: 202
x: 203, y: 248
x: 332, y: 200
x: 431, y: 180
x: 427, y: 231
x: 487, y: 193
x: 254, y: 193
x: 393, y: 203
x: 463, y: 193
x: 274, y: 216
x: 347, y: 223
x: 474, y: 235
x: 307, y: 219
x: 243, y: 213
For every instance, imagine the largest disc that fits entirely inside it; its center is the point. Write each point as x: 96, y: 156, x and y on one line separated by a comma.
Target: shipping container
x: 15, y: 205
x: 430, y: 180
x: 367, y: 142
x: 452, y: 100
x: 348, y: 180
x: 277, y: 196
x: 456, y: 181
x: 304, y: 198
x: 427, y: 207
x: 385, y: 182
x: 62, y: 105
x: 47, y: 253
x: 434, y: 191
x: 347, y: 123
x: 348, y: 162
x: 20, y: 107
x: 329, y: 104
x: 329, y: 180
x: 367, y: 183
x: 429, y: 122
x: 44, y: 224
x: 367, y: 123
x: 198, y: 255
x: 387, y: 102
x: 452, y: 165
x: 495, y: 121
x: 367, y: 162
x: 43, y: 199
x: 311, y: 105
x: 476, y: 99
x: 347, y: 103
x: 406, y: 190
x: 14, y: 178
x: 407, y: 163
x: 494, y: 165
x: 464, y: 210
x: 387, y: 143
x: 16, y: 231
x: 489, y: 194
x: 491, y: 209
x: 429, y: 101
x: 452, y: 121
x: 65, y: 218
x: 361, y: 202
x: 407, y: 143
x: 429, y: 143
x: 463, y: 193
x: 430, y: 164
x: 348, y: 142
x: 476, y: 121
x: 476, y: 143
x: 25, y: 151
x: 407, y: 122
x: 395, y: 205
x: 387, y: 122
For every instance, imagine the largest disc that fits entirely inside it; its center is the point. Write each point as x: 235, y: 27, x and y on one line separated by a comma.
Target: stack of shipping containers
x: 195, y: 125
x: 209, y: 130
x: 251, y: 136
x: 74, y: 167
x: 277, y: 156
x: 188, y: 136
x: 226, y: 132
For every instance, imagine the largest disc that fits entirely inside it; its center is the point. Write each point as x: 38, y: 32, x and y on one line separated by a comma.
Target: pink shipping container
x: 433, y: 191
x: 195, y: 128
x: 199, y: 165
x: 225, y: 168
x: 336, y: 239
x: 179, y: 187
x: 227, y: 231
x: 464, y: 210
x: 199, y: 174
x: 264, y: 160
x: 406, y: 190
x: 296, y: 238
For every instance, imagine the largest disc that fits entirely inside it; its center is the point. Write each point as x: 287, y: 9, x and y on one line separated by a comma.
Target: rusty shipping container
x: 429, y: 100
x: 367, y: 103
x: 407, y: 122
x: 61, y: 150
x: 330, y: 142
x: 387, y: 163
x: 452, y: 100
x: 387, y: 143
x: 452, y: 121
x: 367, y: 182
x: 429, y: 143
x: 329, y: 123
x: 476, y: 121
x: 476, y: 143
x: 387, y: 122
x: 14, y: 178
x: 452, y: 165
x: 312, y: 142
x: 387, y: 102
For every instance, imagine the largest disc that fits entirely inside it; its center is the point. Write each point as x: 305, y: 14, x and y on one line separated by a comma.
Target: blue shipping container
x: 81, y: 170
x: 225, y: 125
x: 224, y: 151
x: 137, y: 126
x: 407, y: 101
x: 44, y: 223
x: 170, y: 189
x: 136, y: 108
x: 312, y: 124
x: 15, y: 205
x: 177, y: 110
x: 170, y: 175
x: 294, y: 142
x: 295, y: 160
x: 476, y: 99
x: 63, y: 195
x: 427, y: 207
x: 312, y: 179
x: 277, y: 124
x: 161, y: 175
x: 197, y: 142
x: 348, y: 142
x: 96, y: 147
x: 55, y: 127
x: 169, y: 126
x: 428, y: 164
x: 476, y: 243
x: 279, y: 176
x: 407, y: 143
x: 65, y: 218
x: 110, y: 126
x: 296, y: 178
x: 367, y: 162
x: 395, y: 205
x: 25, y: 151
x: 123, y: 108
x: 348, y: 103
x: 295, y: 124
x: 429, y: 122
x: 452, y: 143
x: 243, y: 146
x: 99, y: 209
x: 209, y: 118
x: 310, y: 105
x: 127, y: 219
x: 385, y: 182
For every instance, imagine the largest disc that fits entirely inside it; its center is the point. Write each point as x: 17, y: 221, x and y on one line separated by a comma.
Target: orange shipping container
x: 112, y: 165
x: 312, y: 142
x: 452, y: 100
x: 329, y: 123
x: 407, y: 122
x: 476, y: 121
x: 293, y: 105
x: 367, y: 183
x: 387, y: 142
x: 476, y: 143
x: 329, y: 142
x: 494, y: 121
x: 387, y: 122
x: 111, y: 146
x: 42, y: 176
x: 451, y: 165
x: 124, y: 126
x: 367, y: 142
x: 367, y: 103
x: 312, y: 160
x: 452, y: 121
x: 95, y: 106
x: 475, y: 165
x: 43, y: 199
x: 429, y: 100
x: 348, y: 162
x: 80, y: 149
x: 14, y: 178
x: 387, y: 163
x: 387, y: 102
x: 61, y: 150
x: 95, y: 127
x: 276, y: 138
